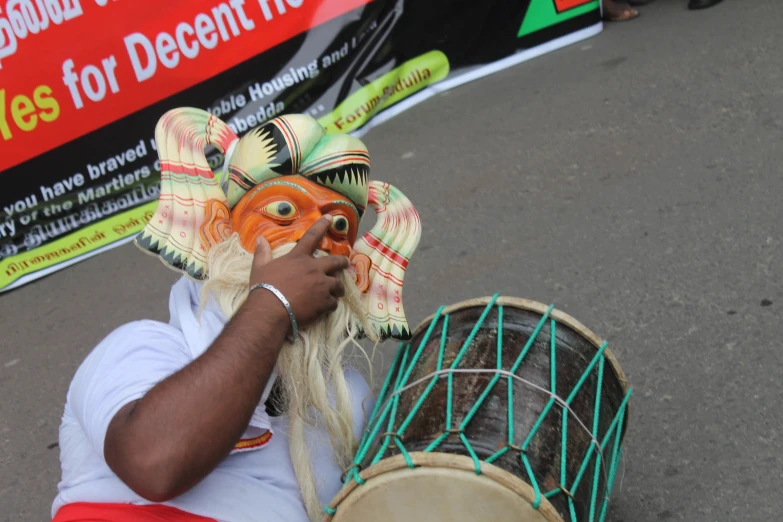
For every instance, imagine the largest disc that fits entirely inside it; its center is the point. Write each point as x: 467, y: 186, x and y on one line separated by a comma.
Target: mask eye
x: 340, y: 225
x: 281, y: 210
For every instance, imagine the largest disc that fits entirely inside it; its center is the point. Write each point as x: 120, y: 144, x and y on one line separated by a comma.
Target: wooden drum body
x: 497, y: 409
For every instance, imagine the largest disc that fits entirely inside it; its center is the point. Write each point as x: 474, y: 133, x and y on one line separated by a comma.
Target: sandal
x: 702, y: 4
x: 614, y: 11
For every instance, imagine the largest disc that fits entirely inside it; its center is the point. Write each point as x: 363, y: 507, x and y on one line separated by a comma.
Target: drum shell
x: 487, y: 432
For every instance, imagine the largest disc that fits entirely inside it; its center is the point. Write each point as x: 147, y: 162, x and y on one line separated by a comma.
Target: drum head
x: 443, y: 487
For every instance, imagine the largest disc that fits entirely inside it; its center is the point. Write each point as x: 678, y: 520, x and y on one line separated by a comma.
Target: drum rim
x: 559, y: 315
x: 452, y: 461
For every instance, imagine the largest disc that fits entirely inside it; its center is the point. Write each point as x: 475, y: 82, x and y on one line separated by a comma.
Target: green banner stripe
x: 83, y: 241
x: 542, y: 14
x: 394, y: 86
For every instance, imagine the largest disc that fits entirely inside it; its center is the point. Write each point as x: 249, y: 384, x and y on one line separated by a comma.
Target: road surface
x: 632, y: 179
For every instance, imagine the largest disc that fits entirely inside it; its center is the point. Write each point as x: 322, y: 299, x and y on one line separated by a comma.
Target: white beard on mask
x: 307, y: 367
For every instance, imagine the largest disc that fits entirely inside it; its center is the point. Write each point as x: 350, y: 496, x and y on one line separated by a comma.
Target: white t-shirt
x: 250, y: 486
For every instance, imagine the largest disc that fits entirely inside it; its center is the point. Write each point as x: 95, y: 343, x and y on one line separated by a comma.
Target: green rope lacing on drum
x: 389, y: 413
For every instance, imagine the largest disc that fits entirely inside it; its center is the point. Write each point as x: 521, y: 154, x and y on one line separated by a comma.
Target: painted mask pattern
x: 279, y: 179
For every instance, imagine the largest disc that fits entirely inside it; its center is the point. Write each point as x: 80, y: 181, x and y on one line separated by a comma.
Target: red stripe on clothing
x: 89, y: 512
x: 257, y: 442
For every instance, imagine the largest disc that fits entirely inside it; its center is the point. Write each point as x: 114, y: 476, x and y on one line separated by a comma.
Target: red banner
x: 166, y: 48
x: 83, y: 84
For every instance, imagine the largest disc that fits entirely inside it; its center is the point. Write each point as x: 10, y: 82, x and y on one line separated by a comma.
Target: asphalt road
x: 632, y: 179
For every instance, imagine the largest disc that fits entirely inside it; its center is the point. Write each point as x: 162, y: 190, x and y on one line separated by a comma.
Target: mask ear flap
x: 186, y: 185
x: 217, y: 223
x: 389, y: 245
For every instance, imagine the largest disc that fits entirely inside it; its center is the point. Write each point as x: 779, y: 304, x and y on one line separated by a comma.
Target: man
x: 170, y: 421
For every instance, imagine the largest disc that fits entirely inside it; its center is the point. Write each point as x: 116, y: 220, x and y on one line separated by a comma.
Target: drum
x: 497, y: 409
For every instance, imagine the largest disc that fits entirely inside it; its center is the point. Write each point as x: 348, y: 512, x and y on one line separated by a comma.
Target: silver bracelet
x: 287, y: 305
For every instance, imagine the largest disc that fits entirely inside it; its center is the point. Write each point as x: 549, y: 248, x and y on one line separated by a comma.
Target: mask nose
x: 325, y: 244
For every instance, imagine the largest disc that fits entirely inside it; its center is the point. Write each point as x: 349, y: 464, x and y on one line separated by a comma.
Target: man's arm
x: 165, y: 443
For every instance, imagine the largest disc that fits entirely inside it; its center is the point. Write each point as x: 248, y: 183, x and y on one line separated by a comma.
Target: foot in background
x: 617, y: 11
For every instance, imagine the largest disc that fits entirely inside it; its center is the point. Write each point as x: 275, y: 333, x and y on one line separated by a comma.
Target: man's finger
x: 337, y: 289
x: 263, y: 253
x: 312, y: 238
x: 331, y: 305
x: 332, y: 264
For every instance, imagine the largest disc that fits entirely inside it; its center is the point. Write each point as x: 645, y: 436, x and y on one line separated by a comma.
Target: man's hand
x: 311, y: 285
x: 163, y: 444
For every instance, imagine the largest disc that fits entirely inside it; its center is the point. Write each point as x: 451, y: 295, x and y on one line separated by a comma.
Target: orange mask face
x: 283, y: 210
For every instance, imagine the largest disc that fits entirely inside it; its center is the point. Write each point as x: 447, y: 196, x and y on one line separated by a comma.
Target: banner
x: 84, y: 82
